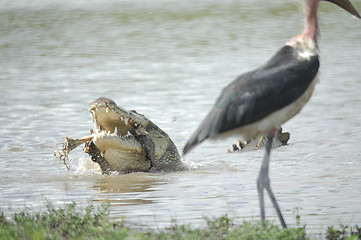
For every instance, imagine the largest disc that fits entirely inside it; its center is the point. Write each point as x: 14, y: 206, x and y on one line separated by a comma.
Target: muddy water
x: 169, y: 60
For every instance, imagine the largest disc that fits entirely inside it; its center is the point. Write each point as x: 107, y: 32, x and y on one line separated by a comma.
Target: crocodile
x: 125, y: 141
x: 280, y: 139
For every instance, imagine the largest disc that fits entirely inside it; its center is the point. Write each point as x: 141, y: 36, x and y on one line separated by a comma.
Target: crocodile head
x: 124, y: 141
x: 116, y: 143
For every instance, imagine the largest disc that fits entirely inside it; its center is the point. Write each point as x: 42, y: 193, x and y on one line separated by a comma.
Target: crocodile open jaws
x: 125, y: 141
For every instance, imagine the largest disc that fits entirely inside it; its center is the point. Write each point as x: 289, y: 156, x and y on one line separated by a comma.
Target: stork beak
x: 346, y: 4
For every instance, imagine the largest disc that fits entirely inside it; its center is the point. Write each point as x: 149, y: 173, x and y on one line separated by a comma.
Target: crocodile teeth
x: 135, y: 124
x: 115, y: 129
x: 126, y: 121
x: 107, y: 109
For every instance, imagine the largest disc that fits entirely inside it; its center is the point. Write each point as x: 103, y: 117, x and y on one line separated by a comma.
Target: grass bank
x: 94, y: 223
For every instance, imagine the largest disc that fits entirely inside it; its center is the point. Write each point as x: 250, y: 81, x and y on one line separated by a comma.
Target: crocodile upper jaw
x: 109, y: 117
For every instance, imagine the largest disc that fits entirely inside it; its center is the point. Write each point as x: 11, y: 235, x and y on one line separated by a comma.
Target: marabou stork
x: 258, y: 102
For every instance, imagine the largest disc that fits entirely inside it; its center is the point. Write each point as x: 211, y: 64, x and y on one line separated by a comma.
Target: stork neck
x: 311, y: 25
x: 310, y: 21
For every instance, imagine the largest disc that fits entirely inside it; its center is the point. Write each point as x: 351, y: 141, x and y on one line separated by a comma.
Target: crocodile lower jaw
x: 104, y: 140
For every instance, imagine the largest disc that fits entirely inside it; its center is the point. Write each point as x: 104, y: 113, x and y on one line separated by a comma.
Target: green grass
x: 94, y: 223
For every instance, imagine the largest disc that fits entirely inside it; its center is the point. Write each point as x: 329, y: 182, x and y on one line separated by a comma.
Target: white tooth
x: 116, y: 129
x: 135, y: 124
x: 121, y: 118
x: 107, y: 109
x: 126, y: 121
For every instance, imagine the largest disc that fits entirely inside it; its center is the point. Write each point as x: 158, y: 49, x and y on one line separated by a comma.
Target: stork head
x: 347, y: 5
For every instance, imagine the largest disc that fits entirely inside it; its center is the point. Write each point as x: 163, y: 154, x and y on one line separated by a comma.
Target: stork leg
x: 263, y: 182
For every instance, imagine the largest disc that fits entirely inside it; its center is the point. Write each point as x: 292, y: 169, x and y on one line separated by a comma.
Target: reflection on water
x: 124, y: 189
x: 169, y: 61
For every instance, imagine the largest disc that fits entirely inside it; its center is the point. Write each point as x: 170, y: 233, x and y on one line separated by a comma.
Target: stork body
x: 265, y: 98
x: 258, y: 102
